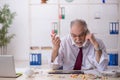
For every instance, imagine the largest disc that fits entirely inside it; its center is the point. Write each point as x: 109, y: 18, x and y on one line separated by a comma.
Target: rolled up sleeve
x: 103, y: 63
x: 58, y: 63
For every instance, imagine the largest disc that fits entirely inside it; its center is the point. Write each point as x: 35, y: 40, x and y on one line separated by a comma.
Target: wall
x: 84, y: 9
x: 19, y: 46
x: 33, y: 23
x: 119, y: 34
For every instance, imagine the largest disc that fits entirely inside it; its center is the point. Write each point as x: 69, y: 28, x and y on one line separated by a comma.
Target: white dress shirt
x: 68, y: 52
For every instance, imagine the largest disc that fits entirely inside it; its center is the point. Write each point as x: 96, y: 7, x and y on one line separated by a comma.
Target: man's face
x: 78, y: 34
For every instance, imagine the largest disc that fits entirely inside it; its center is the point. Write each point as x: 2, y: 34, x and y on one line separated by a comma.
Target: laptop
x: 7, y: 67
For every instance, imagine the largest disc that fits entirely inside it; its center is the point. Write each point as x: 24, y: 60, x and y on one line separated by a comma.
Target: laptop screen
x: 7, y: 66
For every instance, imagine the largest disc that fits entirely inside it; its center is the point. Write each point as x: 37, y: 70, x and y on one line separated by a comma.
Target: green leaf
x: 6, y: 19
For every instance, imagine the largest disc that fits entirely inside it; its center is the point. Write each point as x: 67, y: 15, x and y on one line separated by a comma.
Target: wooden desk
x: 42, y: 74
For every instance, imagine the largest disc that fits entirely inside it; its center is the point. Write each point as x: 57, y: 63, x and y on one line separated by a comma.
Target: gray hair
x: 80, y: 21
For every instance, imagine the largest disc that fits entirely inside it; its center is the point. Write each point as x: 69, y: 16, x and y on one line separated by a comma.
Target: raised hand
x: 56, y: 45
x: 55, y: 41
x: 91, y: 38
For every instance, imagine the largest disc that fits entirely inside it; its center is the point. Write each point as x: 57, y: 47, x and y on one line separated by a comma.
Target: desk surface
x: 38, y: 76
x: 42, y: 74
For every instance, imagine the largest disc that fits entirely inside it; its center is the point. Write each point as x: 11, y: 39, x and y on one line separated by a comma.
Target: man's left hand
x: 91, y: 38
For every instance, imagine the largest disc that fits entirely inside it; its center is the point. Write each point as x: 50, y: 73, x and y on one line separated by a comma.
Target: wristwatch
x: 69, y: 0
x: 97, y: 49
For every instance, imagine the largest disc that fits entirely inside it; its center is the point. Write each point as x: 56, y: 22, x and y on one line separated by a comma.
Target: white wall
x: 19, y: 46
x: 32, y: 25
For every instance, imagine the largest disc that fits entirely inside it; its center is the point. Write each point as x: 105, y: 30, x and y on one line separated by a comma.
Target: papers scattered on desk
x: 111, y: 73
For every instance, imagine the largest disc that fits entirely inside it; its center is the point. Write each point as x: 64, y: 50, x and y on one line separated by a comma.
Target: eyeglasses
x: 80, y: 35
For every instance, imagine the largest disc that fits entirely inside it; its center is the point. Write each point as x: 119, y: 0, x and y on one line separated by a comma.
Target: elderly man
x: 79, y: 50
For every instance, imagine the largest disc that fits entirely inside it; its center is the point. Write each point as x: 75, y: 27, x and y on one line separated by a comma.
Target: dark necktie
x: 78, y: 62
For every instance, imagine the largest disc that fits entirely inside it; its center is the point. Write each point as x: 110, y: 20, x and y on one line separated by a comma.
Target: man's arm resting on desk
x: 98, y: 52
x: 101, y: 59
x: 103, y: 63
x: 54, y: 58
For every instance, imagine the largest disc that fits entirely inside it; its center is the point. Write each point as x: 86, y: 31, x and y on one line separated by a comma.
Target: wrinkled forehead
x: 78, y: 26
x: 78, y: 22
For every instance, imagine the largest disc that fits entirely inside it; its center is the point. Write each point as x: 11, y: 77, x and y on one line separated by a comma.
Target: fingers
x: 55, y: 40
x: 89, y: 36
x: 53, y: 36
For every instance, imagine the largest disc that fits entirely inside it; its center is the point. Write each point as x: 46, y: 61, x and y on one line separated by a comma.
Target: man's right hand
x: 55, y: 41
x: 56, y: 45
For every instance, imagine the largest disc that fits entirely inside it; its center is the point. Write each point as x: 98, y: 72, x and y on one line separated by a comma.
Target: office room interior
x: 34, y: 20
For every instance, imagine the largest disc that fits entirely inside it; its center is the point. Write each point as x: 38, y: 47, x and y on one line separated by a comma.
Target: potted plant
x: 6, y: 19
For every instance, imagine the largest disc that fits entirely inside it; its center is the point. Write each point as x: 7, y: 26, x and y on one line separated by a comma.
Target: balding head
x: 79, y: 22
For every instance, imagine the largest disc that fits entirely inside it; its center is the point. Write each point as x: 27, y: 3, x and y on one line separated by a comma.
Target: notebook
x: 7, y: 67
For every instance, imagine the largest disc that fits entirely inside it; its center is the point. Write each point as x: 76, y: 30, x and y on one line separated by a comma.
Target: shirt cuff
x: 103, y: 63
